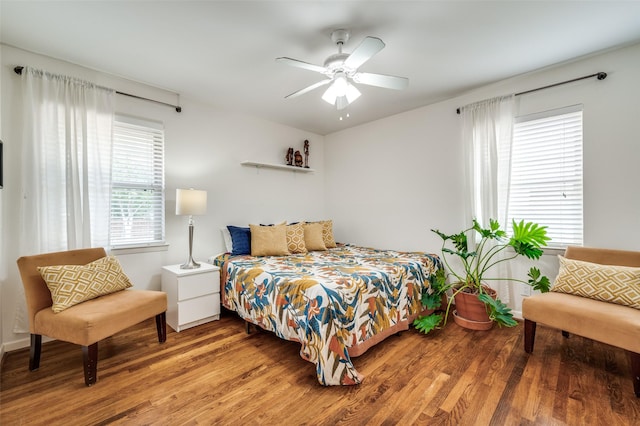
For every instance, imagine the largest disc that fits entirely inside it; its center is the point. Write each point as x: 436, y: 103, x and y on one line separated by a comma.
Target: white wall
x: 3, y: 237
x: 204, y: 146
x: 390, y: 181
x: 405, y: 173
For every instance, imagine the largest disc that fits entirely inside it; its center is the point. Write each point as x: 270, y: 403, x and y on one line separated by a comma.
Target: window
x: 137, y: 194
x: 546, y: 173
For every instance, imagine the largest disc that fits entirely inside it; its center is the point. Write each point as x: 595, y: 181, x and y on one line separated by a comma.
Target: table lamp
x: 191, y: 202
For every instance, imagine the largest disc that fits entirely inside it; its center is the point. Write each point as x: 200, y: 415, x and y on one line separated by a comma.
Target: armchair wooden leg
x: 34, y: 352
x: 161, y: 325
x: 90, y: 362
x: 529, y: 335
x: 634, y: 360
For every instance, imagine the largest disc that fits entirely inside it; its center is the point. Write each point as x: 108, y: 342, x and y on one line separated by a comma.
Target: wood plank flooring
x: 217, y: 374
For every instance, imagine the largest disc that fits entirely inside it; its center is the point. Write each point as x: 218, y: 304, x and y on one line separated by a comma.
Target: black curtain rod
x: 19, y: 69
x: 599, y: 75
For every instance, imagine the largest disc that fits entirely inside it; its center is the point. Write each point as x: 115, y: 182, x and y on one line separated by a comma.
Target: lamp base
x: 190, y: 264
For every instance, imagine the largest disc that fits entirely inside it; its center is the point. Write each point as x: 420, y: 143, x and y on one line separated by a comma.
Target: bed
x: 336, y: 303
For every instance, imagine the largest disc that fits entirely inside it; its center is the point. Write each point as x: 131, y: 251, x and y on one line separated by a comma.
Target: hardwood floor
x: 217, y: 374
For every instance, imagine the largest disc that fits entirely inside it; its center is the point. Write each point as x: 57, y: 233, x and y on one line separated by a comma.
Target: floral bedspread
x: 328, y: 300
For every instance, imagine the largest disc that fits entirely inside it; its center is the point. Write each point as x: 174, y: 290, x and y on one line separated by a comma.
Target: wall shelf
x: 259, y: 165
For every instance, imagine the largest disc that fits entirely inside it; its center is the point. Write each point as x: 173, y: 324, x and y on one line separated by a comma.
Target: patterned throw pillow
x: 73, y: 284
x: 269, y: 240
x: 313, y: 237
x: 608, y: 283
x: 327, y: 233
x: 295, y: 238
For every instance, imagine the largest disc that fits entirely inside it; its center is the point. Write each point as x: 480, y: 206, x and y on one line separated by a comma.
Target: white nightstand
x: 193, y: 295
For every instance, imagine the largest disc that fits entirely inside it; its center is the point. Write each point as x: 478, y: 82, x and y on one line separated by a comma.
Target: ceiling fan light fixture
x: 330, y: 95
x: 352, y: 93
x: 340, y: 84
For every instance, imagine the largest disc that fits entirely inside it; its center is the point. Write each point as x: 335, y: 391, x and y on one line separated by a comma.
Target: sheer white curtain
x: 66, y: 164
x: 487, y: 134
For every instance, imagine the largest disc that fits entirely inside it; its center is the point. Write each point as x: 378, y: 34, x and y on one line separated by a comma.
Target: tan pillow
x: 295, y: 238
x: 608, y: 283
x: 73, y: 284
x: 313, y: 236
x: 269, y: 240
x: 327, y: 233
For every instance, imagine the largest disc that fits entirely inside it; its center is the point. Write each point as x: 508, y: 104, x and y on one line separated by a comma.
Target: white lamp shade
x: 329, y: 95
x: 191, y: 202
x: 341, y: 93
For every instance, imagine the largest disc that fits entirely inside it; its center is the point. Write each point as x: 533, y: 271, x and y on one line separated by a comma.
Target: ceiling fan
x: 342, y: 68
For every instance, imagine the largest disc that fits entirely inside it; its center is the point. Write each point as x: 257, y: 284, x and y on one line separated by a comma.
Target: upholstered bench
x: 611, y: 323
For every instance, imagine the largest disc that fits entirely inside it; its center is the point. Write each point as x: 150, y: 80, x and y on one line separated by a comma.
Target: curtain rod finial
x: 602, y: 75
x: 18, y: 69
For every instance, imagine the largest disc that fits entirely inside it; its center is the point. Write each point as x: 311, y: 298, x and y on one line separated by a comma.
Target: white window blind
x: 546, y: 174
x: 137, y: 196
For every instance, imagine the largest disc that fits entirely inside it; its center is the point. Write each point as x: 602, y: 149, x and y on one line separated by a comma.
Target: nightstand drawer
x: 196, y: 285
x: 196, y: 309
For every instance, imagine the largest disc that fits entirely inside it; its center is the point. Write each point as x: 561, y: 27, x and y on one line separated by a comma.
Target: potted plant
x: 469, y: 280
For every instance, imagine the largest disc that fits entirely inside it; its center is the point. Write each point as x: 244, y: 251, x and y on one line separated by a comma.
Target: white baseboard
x: 22, y: 343
x: 17, y: 344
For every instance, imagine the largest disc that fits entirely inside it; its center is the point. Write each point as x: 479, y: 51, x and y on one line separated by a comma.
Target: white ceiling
x: 222, y: 52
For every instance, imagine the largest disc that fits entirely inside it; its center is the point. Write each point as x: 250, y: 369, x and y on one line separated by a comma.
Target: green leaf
x: 425, y: 324
x: 538, y: 281
x: 443, y: 236
x: 432, y: 301
x: 460, y: 242
x: 526, y: 249
x: 438, y: 280
x: 528, y: 238
x: 498, y: 311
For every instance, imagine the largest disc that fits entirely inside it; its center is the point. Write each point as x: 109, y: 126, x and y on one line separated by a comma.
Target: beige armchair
x: 610, y: 323
x: 88, y: 322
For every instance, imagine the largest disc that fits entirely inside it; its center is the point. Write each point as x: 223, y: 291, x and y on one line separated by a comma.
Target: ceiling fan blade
x: 301, y: 64
x: 369, y: 47
x: 381, y: 80
x: 308, y: 89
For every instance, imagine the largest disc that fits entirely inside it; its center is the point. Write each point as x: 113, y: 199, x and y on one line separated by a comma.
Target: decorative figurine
x: 289, y: 157
x: 298, y: 159
x: 306, y: 154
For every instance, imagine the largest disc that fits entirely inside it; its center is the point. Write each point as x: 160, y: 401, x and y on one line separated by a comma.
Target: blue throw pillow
x: 241, y: 239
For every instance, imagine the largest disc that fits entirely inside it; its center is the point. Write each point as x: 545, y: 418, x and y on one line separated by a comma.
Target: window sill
x: 139, y: 249
x: 553, y: 251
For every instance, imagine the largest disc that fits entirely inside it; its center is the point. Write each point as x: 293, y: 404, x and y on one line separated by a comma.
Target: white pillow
x: 226, y: 236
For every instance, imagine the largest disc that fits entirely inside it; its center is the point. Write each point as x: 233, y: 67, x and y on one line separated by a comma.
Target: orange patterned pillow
x: 607, y: 283
x: 295, y: 238
x: 73, y: 284
x: 327, y: 233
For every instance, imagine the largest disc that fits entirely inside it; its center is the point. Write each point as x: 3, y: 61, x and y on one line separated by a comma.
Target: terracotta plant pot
x: 469, y: 307
x: 472, y: 325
